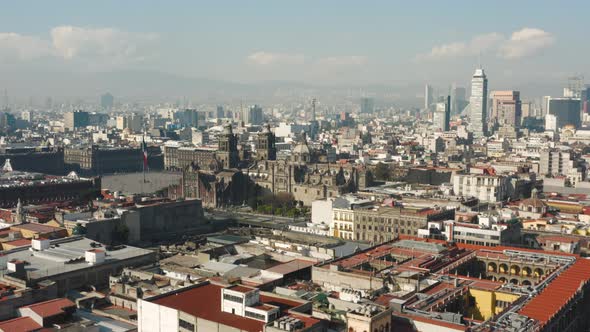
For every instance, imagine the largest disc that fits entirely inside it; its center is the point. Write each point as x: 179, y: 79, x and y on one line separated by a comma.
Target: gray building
x: 566, y: 111
x: 75, y: 119
x: 367, y: 105
x: 253, y: 115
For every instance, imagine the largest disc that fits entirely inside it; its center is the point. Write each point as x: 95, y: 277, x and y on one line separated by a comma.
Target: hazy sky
x: 323, y: 42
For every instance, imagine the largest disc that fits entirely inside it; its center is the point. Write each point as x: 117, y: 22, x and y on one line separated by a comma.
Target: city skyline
x: 378, y: 44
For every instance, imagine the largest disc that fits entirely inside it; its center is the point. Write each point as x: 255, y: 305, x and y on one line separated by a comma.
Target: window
x: 255, y: 315
x: 186, y: 325
x: 232, y: 298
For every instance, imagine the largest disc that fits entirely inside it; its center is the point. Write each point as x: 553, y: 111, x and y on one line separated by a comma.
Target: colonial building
x: 302, y: 175
x: 226, y: 154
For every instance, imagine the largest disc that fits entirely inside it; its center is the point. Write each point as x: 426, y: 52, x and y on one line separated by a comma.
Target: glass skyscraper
x: 478, y: 103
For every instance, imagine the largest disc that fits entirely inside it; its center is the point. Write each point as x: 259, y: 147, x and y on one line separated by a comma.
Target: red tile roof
x: 21, y: 324
x: 558, y: 293
x: 38, y: 228
x: 18, y: 243
x: 51, y: 308
x: 241, y: 289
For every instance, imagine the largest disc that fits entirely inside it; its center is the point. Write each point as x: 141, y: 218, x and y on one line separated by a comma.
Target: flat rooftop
x: 64, y: 255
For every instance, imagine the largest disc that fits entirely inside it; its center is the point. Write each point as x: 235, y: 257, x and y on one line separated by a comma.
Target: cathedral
x: 302, y: 174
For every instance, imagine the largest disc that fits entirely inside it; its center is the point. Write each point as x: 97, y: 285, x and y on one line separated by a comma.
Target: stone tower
x: 265, y: 144
x: 228, y: 148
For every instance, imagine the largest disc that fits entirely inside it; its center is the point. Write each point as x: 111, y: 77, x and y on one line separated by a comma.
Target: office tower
x: 526, y: 110
x: 478, y: 103
x: 442, y: 115
x: 133, y: 122
x: 48, y: 103
x: 367, y: 105
x: 566, y: 110
x: 253, y: 115
x: 106, y: 101
x: 220, y: 113
x: 313, y: 115
x: 458, y: 99
x: 506, y: 109
x: 75, y: 119
x: 428, y: 98
x: 448, y: 114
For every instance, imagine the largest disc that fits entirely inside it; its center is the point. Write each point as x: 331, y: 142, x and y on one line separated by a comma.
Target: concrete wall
x: 321, y: 212
x: 156, y: 318
x: 337, y: 280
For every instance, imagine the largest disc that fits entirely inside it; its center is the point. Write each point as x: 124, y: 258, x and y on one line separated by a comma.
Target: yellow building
x: 484, y: 304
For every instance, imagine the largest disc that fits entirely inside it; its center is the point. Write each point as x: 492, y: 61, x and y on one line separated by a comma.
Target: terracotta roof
x: 21, y: 324
x: 18, y: 243
x: 241, y: 289
x: 559, y: 292
x: 38, y: 228
x: 51, y: 308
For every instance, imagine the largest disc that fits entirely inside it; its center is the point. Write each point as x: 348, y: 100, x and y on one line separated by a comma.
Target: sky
x: 344, y: 43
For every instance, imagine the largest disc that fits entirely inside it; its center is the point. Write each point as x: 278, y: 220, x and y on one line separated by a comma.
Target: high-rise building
x: 506, y: 109
x: 220, y: 113
x: 458, y: 99
x: 428, y: 97
x: 478, y: 103
x: 107, y: 101
x: 566, y: 110
x: 442, y: 115
x: 133, y: 122
x: 253, y: 115
x: 75, y: 119
x: 367, y: 105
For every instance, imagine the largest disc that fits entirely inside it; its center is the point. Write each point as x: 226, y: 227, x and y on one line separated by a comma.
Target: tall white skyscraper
x: 478, y: 103
x: 428, y: 98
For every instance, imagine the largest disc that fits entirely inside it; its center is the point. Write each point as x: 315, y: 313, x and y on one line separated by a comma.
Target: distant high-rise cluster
x: 367, y: 105
x: 107, y: 101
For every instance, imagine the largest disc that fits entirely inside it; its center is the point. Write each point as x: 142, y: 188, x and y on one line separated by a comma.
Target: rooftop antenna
x: 479, y: 60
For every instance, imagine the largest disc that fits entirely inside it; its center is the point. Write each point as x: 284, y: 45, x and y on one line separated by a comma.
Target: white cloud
x: 525, y: 42
x: 269, y: 58
x: 102, y: 46
x: 346, y: 60
x: 20, y: 47
x: 104, y: 43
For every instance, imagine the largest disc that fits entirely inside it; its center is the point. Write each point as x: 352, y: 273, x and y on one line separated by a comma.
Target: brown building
x: 35, y: 188
x: 95, y: 160
x: 383, y: 224
x: 506, y: 110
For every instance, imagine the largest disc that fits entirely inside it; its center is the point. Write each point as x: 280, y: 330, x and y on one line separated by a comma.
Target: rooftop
x: 21, y: 324
x: 65, y: 255
x: 51, y: 308
x: 188, y: 301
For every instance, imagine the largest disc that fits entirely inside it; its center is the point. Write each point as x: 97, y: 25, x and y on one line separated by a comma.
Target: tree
x: 382, y: 172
